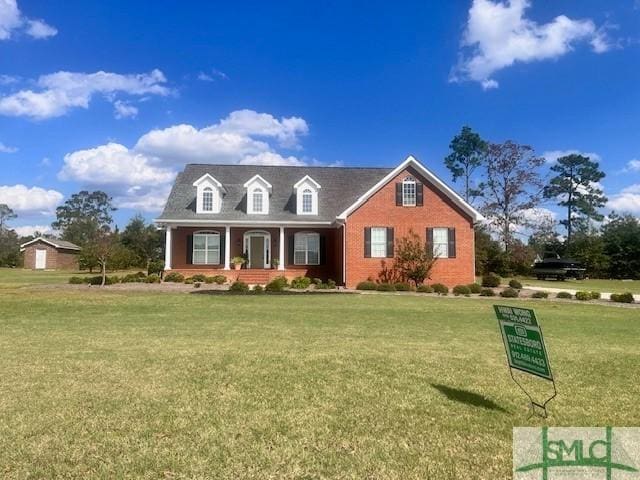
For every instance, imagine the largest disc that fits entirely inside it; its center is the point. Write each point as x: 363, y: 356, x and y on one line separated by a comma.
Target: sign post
x: 525, y: 347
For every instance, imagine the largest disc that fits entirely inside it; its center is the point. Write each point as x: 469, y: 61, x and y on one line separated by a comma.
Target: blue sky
x: 350, y: 83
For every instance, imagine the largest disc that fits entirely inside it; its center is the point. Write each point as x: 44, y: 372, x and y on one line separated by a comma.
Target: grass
x: 595, y: 284
x: 100, y: 383
x: 13, y: 277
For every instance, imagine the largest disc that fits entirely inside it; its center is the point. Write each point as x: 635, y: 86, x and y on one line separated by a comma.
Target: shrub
x: 174, y: 277
x: 540, y: 295
x: 153, y: 278
x: 239, y: 287
x: 156, y: 266
x: 188, y: 281
x: 368, y: 285
x: 386, y: 287
x: 316, y: 281
x: 403, y: 287
x: 595, y: 295
x: 424, y: 289
x: 322, y: 286
x: 490, y: 280
x: 515, y: 284
x: 622, y: 297
x: 258, y: 289
x: 487, y: 292
x: 301, y: 282
x: 509, y: 293
x: 219, y: 279
x: 199, y: 277
x: 97, y: 280
x: 583, y: 296
x: 475, y: 287
x: 565, y: 295
x: 278, y: 284
x: 209, y: 280
x: 132, y: 278
x: 76, y: 280
x: 461, y: 290
x: 197, y: 284
x: 331, y: 284
x: 440, y: 289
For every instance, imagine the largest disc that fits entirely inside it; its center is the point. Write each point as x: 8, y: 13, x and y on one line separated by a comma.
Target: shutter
x: 189, y: 249
x: 323, y: 250
x: 221, y: 237
x: 452, y: 243
x: 419, y: 194
x: 399, y: 194
x: 429, y: 244
x: 291, y: 249
x: 367, y: 242
x: 390, y: 242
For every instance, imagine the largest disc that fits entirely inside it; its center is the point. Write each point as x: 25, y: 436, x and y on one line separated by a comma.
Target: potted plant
x: 274, y: 263
x: 238, y: 262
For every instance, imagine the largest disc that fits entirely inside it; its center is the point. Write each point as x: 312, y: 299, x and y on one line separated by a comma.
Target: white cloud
x: 12, y: 20
x: 40, y: 29
x: 140, y: 177
x: 7, y: 149
x: 628, y: 200
x: 498, y: 35
x: 211, y: 77
x: 633, y: 166
x: 23, y: 199
x: 29, y: 230
x: 552, y: 156
x: 124, y: 110
x: 8, y: 79
x: 61, y: 91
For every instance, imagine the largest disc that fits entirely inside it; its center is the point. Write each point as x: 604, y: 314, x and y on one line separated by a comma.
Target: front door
x: 256, y: 253
x: 41, y: 259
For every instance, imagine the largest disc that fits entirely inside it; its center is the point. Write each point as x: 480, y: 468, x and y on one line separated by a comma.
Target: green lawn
x: 595, y: 284
x: 99, y: 383
x: 11, y: 277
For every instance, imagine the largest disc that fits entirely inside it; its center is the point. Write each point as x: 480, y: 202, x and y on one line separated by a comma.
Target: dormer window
x: 209, y: 193
x: 258, y: 190
x: 409, y: 192
x: 306, y: 192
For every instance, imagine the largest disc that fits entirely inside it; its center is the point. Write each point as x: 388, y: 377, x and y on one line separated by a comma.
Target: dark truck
x: 559, y: 268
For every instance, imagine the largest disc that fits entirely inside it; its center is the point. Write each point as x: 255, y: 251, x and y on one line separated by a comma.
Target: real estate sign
x: 523, y: 340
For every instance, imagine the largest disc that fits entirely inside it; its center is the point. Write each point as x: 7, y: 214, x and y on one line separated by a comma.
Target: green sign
x: 523, y: 340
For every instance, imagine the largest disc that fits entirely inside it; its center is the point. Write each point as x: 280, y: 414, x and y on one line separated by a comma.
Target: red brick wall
x: 57, y: 259
x: 438, y: 211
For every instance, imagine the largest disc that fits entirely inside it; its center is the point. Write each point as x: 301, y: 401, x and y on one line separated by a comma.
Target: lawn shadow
x: 470, y: 398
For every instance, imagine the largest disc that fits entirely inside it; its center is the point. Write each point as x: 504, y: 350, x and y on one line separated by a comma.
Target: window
x: 206, y: 248
x: 258, y: 200
x: 306, y: 249
x: 307, y: 201
x: 207, y: 200
x: 409, y: 192
x: 378, y: 242
x: 441, y: 242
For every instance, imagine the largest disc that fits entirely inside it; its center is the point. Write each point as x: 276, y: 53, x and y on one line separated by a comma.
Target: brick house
x: 50, y: 254
x: 325, y: 222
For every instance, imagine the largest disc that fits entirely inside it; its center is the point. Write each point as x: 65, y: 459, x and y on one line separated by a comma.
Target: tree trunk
x: 104, y: 273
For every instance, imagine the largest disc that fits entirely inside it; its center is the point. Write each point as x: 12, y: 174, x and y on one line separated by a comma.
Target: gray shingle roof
x: 54, y: 242
x: 340, y: 188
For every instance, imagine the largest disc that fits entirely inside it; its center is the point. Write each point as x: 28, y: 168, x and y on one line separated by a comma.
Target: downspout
x: 343, y: 224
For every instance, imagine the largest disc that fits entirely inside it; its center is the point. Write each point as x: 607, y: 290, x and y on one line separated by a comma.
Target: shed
x: 50, y: 254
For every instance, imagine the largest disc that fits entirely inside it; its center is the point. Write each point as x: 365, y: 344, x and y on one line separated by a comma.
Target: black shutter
x: 399, y: 194
x: 323, y: 250
x: 367, y: 242
x: 419, y: 194
x: 429, y: 244
x: 291, y: 246
x: 221, y: 249
x: 452, y: 243
x: 389, y: 242
x: 189, y: 249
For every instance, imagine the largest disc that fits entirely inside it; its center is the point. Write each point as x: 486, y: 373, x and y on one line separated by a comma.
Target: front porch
x: 269, y: 251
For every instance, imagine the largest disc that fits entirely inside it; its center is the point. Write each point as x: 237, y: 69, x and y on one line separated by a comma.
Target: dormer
x: 306, y: 191
x: 208, y: 194
x: 258, y: 191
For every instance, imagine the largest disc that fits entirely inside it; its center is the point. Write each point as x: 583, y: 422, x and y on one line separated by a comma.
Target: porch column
x: 281, y: 245
x: 227, y: 247
x: 167, y: 248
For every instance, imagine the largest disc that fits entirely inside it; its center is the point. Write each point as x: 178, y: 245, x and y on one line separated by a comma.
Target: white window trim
x: 206, y: 190
x: 405, y: 183
x: 206, y: 234
x: 306, y: 250
x: 307, y: 183
x: 246, y: 243
x: 258, y: 182
x: 440, y: 253
x: 375, y: 254
x: 204, y: 182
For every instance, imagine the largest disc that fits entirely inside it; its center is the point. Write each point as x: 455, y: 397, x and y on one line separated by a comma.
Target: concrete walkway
x: 604, y: 295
